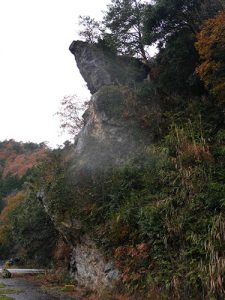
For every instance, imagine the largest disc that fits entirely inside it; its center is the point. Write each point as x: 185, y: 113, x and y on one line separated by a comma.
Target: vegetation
x: 2, y: 297
x: 161, y: 217
x: 210, y: 45
x: 25, y: 229
x: 70, y: 114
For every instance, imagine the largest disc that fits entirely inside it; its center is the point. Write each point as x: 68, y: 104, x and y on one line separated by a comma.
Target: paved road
x: 30, y: 290
x: 24, y: 271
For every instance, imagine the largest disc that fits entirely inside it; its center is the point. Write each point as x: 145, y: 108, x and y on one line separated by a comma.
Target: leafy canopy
x: 164, y: 18
x: 211, y: 47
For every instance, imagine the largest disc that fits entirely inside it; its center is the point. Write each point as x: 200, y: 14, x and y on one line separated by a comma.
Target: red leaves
x: 133, y: 261
x: 12, y: 201
x: 211, y: 47
x: 17, y: 163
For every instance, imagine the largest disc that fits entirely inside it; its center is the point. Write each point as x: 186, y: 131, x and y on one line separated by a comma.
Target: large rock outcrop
x: 88, y: 266
x: 110, y: 136
x: 112, y: 131
x: 100, y: 67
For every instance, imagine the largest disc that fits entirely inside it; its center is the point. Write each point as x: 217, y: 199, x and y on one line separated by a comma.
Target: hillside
x: 135, y: 206
x: 18, y: 161
x: 16, y: 158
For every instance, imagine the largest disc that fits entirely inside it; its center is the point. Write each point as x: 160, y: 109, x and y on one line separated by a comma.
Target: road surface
x: 24, y: 271
x: 29, y: 290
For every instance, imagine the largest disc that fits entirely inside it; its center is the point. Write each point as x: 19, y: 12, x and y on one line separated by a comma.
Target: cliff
x: 99, y: 67
x: 110, y: 137
x: 111, y: 133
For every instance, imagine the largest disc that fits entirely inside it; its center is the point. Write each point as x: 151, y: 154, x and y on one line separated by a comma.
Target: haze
x: 36, y: 68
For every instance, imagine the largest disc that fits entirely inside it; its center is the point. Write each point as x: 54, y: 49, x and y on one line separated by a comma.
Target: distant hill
x: 19, y: 209
x: 16, y: 158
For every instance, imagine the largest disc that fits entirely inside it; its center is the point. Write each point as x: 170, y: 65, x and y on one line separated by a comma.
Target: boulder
x: 6, y: 273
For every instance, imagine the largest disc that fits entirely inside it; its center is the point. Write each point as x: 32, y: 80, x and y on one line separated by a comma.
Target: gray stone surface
x: 108, y: 138
x: 100, y: 67
x: 89, y: 267
x: 111, y: 135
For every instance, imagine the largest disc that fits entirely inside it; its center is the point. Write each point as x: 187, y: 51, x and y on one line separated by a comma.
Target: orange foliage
x: 211, y: 47
x: 62, y: 253
x: 12, y: 201
x: 17, y: 160
x: 191, y: 151
x: 18, y: 165
x: 4, y: 233
x: 133, y: 261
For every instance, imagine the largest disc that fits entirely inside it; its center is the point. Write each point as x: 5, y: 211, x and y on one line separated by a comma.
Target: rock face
x: 111, y: 133
x: 100, y: 67
x: 89, y: 267
x: 110, y: 136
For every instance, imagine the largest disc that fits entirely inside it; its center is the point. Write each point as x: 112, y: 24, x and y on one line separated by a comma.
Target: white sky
x: 36, y: 68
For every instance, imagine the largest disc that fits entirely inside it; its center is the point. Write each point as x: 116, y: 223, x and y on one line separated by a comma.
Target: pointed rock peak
x: 100, y: 67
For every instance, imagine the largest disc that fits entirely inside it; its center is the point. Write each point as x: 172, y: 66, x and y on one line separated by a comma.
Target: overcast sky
x: 36, y: 68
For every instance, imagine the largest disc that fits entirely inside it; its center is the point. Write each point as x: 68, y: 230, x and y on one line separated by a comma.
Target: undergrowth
x: 161, y: 217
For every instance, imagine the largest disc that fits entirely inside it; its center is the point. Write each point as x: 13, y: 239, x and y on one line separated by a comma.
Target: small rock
x: 6, y: 273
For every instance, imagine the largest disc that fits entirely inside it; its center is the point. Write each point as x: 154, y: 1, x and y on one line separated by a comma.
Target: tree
x: 32, y: 231
x: 173, y: 25
x: 12, y: 201
x: 6, y: 242
x: 120, y: 30
x: 124, y: 20
x: 173, y: 69
x: 211, y: 47
x: 165, y: 18
x: 91, y: 29
x: 70, y: 114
